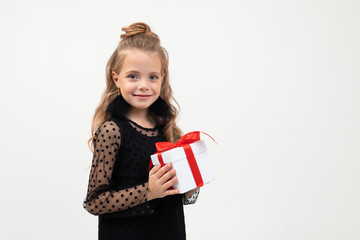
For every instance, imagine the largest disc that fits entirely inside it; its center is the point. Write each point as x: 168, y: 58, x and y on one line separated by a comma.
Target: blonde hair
x: 137, y: 36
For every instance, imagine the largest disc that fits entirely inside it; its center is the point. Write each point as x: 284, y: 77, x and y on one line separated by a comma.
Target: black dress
x: 118, y: 185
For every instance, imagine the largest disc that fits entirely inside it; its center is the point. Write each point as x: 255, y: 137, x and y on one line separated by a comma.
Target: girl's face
x: 140, y: 79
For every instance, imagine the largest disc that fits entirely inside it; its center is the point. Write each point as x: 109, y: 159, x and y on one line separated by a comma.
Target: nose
x: 143, y: 85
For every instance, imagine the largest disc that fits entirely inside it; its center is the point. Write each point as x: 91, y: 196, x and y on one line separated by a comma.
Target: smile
x: 142, y: 95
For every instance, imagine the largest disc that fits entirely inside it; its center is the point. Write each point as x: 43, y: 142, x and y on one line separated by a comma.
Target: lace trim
x: 192, y: 199
x: 150, y: 132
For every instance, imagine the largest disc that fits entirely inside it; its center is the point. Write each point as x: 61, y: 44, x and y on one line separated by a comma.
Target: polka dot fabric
x: 100, y: 199
x: 192, y: 199
x: 118, y: 185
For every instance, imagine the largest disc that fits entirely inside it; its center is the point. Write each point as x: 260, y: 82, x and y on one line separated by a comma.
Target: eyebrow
x: 134, y: 71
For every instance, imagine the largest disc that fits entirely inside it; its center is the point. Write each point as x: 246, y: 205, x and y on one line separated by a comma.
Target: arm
x: 191, y: 196
x: 101, y: 196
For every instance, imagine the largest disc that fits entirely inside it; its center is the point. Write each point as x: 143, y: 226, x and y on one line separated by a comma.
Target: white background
x: 276, y: 83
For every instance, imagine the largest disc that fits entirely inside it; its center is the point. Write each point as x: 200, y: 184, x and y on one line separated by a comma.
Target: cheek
x: 127, y: 87
x: 157, y: 88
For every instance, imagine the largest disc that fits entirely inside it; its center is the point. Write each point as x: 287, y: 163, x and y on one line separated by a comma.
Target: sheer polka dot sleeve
x: 101, y: 196
x: 191, y: 199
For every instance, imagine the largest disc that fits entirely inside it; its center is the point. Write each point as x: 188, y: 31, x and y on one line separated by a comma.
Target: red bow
x: 186, y: 139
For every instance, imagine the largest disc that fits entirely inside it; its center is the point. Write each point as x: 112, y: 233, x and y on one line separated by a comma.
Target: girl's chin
x: 140, y: 104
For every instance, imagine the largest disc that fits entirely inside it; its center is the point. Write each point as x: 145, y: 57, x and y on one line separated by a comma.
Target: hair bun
x: 135, y: 28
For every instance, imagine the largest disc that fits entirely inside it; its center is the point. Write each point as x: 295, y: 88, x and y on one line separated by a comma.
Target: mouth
x: 142, y: 95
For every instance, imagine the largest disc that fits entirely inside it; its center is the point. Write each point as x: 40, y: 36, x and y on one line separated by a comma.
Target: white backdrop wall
x: 276, y: 83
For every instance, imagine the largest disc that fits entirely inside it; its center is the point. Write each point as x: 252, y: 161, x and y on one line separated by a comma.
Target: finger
x: 154, y: 169
x: 170, y: 183
x: 167, y: 176
x: 163, y: 170
x: 171, y: 192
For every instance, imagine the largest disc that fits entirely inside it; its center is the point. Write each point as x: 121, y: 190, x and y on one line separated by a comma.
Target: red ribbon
x: 193, y: 166
x: 186, y: 139
x: 184, y: 142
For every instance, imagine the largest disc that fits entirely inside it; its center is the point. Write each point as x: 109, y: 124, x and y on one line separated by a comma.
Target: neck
x: 140, y: 116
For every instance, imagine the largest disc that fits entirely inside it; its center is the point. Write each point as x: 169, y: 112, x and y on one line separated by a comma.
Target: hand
x: 160, y: 180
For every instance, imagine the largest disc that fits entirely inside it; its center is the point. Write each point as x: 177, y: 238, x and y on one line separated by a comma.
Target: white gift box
x: 177, y: 157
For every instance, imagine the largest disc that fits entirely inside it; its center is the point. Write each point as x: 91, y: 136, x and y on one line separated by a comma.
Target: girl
x: 134, y: 113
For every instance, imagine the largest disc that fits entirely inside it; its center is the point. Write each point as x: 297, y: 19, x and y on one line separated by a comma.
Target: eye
x: 154, y: 77
x: 131, y: 76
